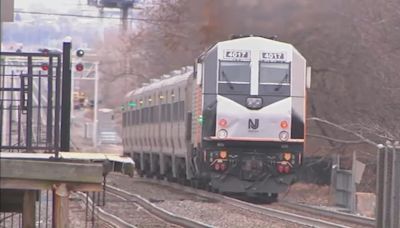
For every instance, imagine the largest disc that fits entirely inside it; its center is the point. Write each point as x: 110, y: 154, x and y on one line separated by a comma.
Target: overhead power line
x: 89, y: 16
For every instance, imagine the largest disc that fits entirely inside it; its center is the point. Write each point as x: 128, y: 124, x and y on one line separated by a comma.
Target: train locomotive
x: 235, y: 122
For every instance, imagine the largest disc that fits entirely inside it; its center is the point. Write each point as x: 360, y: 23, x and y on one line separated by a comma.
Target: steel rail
x: 346, y: 217
x: 284, y: 215
x: 157, y: 211
x: 105, y: 216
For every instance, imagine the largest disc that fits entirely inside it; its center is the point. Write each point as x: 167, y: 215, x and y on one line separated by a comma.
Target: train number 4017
x: 236, y: 55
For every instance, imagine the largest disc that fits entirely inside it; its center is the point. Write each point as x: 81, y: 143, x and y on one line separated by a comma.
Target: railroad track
x: 341, y: 219
x: 336, y: 215
x: 155, y: 210
x: 106, y: 217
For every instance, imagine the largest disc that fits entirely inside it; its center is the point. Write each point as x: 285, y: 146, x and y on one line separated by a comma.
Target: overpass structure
x: 37, y: 170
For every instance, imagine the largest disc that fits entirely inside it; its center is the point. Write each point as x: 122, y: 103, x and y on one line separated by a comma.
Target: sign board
x: 273, y: 56
x: 238, y: 55
x: 359, y: 170
x: 7, y: 10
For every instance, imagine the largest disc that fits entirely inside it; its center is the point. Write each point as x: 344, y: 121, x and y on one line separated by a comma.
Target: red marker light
x: 45, y: 66
x: 222, y: 122
x: 280, y: 168
x: 287, y: 169
x: 79, y: 67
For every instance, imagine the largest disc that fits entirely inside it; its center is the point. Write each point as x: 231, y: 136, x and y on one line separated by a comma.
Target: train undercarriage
x: 262, y: 171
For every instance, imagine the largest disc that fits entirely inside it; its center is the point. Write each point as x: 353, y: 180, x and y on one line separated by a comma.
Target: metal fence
x: 83, y: 210
x: 30, y: 101
x: 12, y: 217
x: 388, y: 187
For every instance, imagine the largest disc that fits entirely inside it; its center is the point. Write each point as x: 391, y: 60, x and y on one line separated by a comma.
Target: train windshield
x: 234, y: 72
x: 234, y: 78
x: 274, y: 73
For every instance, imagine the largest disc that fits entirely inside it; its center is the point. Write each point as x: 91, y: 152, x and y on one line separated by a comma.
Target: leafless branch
x: 337, y: 126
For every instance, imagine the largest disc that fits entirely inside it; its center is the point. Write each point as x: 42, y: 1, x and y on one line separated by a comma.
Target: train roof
x: 173, y: 78
x: 252, y: 42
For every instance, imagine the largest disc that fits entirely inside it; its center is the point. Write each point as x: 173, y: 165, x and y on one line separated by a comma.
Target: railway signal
x: 45, y: 67
x: 80, y: 53
x: 79, y: 66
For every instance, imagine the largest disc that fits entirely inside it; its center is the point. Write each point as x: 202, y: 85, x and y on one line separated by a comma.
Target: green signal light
x: 200, y: 119
x: 132, y: 104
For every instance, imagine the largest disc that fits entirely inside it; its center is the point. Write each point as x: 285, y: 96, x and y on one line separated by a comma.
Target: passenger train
x: 235, y: 122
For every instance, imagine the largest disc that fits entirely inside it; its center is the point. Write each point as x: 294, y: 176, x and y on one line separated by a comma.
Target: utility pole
x: 124, y: 18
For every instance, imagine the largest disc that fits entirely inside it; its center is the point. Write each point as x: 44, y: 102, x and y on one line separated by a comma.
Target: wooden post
x: 61, y: 204
x: 28, y: 213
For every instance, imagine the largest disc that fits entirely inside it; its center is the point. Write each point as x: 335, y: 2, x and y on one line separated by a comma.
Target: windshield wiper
x: 227, y: 80
x: 278, y: 87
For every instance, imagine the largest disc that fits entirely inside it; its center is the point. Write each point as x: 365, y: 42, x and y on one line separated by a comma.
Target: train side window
x: 150, y: 115
x: 140, y: 116
x: 123, y: 119
x: 182, y: 110
x: 162, y: 112
x: 146, y: 115
x: 175, y: 111
x: 168, y: 112
x: 143, y: 115
x: 156, y: 119
x: 131, y: 118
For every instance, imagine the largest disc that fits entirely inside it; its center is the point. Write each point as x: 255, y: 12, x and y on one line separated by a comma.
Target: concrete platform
x: 23, y: 175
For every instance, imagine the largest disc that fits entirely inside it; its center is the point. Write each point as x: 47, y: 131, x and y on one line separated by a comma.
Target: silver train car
x: 235, y: 123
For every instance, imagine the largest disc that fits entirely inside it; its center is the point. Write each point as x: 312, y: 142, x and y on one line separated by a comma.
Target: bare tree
x: 352, y: 46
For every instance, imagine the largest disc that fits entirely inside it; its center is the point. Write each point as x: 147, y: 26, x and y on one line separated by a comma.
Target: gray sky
x: 58, y: 5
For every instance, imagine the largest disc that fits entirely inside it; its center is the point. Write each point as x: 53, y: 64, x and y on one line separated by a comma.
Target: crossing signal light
x: 79, y: 67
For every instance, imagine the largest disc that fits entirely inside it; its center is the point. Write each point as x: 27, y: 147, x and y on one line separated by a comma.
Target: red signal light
x: 45, y: 67
x: 79, y: 67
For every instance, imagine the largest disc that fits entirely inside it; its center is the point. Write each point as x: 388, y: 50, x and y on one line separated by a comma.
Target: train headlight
x: 287, y: 156
x: 222, y: 134
x: 284, y: 135
x: 254, y: 102
x: 223, y: 154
